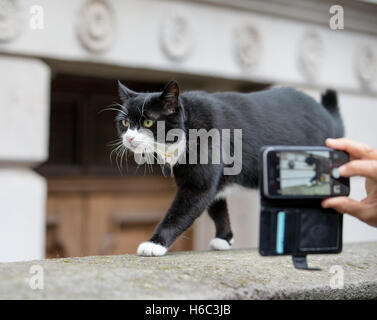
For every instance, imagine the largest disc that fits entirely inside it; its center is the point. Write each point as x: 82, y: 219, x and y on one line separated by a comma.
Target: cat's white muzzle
x: 138, y: 142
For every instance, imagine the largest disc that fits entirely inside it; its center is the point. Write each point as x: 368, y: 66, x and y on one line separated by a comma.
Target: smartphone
x: 303, y: 172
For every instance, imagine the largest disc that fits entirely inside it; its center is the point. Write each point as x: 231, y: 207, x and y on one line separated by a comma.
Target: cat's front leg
x: 186, y: 207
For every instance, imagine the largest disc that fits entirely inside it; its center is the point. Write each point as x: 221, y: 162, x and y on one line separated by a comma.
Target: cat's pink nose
x: 130, y: 141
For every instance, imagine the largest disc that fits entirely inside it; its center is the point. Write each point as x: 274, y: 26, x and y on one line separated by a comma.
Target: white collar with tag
x: 169, y: 155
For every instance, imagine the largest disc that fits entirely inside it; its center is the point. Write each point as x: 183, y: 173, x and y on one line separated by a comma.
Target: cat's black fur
x: 282, y: 116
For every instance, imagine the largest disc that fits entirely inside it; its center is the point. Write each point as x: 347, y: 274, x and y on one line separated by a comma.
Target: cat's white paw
x: 150, y: 249
x: 220, y: 244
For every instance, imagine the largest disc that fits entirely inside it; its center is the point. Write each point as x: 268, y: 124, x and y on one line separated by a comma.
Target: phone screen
x: 306, y: 173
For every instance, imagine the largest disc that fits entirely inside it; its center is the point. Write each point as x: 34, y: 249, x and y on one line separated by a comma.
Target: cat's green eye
x: 125, y: 123
x: 148, y: 123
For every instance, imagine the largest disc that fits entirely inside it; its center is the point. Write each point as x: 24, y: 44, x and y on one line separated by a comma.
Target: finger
x: 364, y: 168
x: 344, y: 205
x: 340, y: 144
x: 355, y: 149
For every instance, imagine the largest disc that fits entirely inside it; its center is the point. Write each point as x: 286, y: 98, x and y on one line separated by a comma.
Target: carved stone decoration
x: 95, y: 25
x: 247, y: 45
x: 176, y: 36
x: 310, y: 54
x: 366, y: 64
x: 10, y: 19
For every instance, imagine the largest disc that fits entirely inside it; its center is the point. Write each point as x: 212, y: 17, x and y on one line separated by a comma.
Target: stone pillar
x: 24, y: 129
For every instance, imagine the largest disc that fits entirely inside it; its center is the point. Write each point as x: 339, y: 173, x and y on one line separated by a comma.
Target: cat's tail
x: 329, y: 100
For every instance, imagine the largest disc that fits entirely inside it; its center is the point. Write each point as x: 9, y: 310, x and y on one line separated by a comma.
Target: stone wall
x: 234, y: 274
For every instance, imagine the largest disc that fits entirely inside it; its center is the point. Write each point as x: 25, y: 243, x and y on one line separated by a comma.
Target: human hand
x: 363, y: 162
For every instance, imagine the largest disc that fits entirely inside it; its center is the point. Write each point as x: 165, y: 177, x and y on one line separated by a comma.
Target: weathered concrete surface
x: 236, y: 274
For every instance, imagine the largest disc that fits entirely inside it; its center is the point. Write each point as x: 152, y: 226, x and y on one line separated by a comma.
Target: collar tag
x: 167, y: 170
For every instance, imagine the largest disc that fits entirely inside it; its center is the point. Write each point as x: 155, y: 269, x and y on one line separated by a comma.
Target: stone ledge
x: 235, y: 274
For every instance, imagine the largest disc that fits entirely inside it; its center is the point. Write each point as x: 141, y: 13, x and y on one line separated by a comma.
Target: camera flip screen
x: 305, y: 173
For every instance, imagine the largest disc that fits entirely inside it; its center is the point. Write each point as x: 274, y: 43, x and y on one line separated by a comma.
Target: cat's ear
x: 124, y: 92
x: 169, y: 97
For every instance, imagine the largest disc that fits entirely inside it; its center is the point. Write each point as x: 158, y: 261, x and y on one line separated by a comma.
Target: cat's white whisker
x: 114, y: 143
x: 115, y: 150
x: 142, y: 108
x: 116, y: 104
x: 109, y: 107
x: 126, y: 156
x: 150, y: 164
x: 121, y: 158
x: 119, y: 151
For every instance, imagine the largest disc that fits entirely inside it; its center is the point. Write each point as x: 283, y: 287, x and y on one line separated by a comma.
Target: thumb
x: 344, y: 205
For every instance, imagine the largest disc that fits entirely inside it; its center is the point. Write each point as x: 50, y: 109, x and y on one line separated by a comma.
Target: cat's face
x: 137, y: 121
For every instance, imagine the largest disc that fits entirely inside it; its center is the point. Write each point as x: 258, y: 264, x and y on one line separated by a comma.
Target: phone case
x: 292, y: 230
x: 297, y: 227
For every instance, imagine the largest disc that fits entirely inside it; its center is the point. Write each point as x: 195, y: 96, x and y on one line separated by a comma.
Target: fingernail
x: 342, y: 169
x: 335, y: 173
x: 324, y: 203
x: 332, y: 141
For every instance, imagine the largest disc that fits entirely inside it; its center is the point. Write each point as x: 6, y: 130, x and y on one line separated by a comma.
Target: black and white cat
x: 281, y: 116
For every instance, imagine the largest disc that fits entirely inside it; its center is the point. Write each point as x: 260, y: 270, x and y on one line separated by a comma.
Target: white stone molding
x: 366, y: 64
x: 247, y: 45
x: 176, y: 38
x: 310, y: 55
x: 96, y: 25
x: 186, y: 37
x: 360, y: 16
x: 11, y: 20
